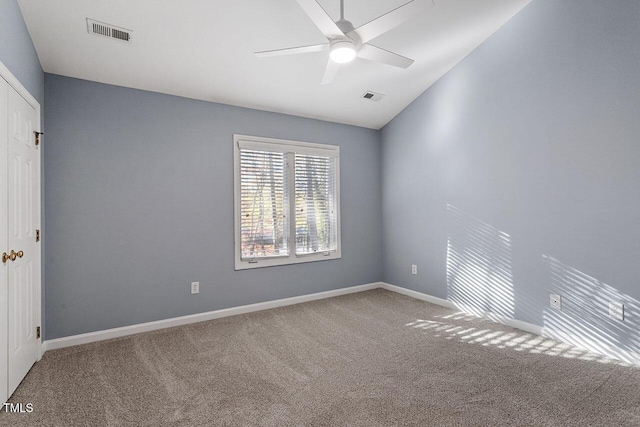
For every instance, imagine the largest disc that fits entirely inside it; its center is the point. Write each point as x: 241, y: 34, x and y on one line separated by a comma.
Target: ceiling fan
x: 347, y: 42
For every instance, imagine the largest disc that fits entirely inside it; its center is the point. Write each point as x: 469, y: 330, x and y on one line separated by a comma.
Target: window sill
x: 275, y: 261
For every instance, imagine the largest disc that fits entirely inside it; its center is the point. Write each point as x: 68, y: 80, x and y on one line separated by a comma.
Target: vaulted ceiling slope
x: 204, y: 49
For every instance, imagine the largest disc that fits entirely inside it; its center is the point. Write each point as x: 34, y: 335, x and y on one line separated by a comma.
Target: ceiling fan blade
x: 322, y: 20
x: 330, y: 72
x: 374, y: 53
x: 386, y: 22
x: 292, y: 50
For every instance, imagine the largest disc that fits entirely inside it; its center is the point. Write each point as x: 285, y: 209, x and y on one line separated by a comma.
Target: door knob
x: 12, y: 256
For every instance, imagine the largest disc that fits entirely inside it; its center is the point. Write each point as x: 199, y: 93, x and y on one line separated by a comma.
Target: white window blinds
x: 287, y: 202
x: 316, y: 219
x: 263, y: 204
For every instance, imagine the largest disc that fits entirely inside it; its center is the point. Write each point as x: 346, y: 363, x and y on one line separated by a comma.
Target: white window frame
x: 291, y: 148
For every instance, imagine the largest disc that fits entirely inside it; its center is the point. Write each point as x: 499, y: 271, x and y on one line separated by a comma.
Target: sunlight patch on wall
x: 479, y: 277
x: 584, y: 319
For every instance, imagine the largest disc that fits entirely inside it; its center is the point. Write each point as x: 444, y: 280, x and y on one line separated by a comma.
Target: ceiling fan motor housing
x: 343, y: 49
x: 347, y: 27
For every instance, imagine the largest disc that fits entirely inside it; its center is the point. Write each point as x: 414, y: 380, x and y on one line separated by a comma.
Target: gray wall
x: 139, y: 199
x: 17, y: 52
x: 517, y: 174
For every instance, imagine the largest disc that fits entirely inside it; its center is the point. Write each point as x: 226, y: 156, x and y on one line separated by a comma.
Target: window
x: 287, y: 202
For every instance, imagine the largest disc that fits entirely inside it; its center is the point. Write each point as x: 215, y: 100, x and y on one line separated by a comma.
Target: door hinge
x: 37, y: 235
x: 37, y: 134
x: 37, y: 332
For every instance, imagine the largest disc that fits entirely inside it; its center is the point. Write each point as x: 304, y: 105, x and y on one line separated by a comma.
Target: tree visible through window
x: 287, y: 202
x: 315, y: 210
x: 263, y: 204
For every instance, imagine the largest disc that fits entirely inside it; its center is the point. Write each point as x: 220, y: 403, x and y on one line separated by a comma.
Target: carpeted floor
x: 369, y: 359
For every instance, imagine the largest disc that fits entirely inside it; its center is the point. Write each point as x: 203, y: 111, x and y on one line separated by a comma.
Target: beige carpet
x: 370, y: 359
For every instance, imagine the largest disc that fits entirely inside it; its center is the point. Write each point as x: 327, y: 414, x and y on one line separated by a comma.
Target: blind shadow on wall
x: 584, y: 319
x: 479, y: 276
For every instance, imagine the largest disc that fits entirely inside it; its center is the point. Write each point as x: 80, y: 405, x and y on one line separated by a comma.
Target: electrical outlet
x: 195, y: 287
x: 414, y: 269
x: 555, y: 301
x: 616, y: 310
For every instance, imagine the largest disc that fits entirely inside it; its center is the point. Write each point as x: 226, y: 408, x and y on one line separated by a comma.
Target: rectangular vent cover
x: 107, y: 30
x: 372, y: 96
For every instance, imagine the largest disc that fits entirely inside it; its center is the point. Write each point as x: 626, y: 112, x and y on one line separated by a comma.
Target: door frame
x: 15, y: 84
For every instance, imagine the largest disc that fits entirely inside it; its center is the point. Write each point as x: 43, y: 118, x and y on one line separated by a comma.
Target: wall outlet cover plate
x: 195, y: 287
x: 616, y: 310
x: 555, y: 301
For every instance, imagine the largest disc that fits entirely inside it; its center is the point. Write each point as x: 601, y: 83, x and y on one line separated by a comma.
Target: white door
x: 4, y: 132
x: 22, y: 219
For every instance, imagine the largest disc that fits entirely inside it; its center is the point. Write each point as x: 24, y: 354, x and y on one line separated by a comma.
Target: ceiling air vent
x: 372, y: 96
x: 107, y: 30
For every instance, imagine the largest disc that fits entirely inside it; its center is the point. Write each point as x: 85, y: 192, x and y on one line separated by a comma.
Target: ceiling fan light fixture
x: 342, y: 51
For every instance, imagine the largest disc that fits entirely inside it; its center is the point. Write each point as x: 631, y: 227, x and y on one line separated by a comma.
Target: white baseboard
x: 418, y: 295
x: 596, y: 347
x: 233, y: 311
x: 514, y: 323
x: 199, y: 317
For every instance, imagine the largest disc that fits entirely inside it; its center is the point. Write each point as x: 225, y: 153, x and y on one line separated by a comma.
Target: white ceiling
x: 203, y: 49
